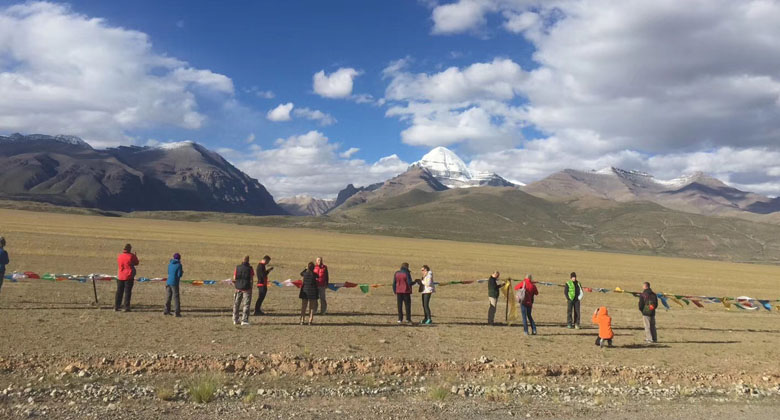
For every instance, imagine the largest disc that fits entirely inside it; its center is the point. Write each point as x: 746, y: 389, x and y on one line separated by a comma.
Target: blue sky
x: 522, y: 88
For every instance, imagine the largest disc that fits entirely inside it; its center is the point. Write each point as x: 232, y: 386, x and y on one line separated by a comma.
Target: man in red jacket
x: 126, y: 262
x: 321, y: 270
x: 527, y: 304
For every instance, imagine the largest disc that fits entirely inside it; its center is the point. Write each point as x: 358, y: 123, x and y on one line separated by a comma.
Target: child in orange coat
x: 604, y: 321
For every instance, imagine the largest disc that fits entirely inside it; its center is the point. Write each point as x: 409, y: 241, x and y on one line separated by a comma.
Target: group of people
x: 526, y: 290
x: 315, y: 281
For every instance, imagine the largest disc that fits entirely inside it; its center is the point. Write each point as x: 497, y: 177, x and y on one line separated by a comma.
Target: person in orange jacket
x: 604, y: 321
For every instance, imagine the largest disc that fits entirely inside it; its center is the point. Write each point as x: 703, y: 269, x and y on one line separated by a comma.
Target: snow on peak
x: 176, y: 145
x: 449, y: 169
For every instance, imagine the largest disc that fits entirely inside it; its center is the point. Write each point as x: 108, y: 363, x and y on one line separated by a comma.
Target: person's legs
x: 168, y: 296
x: 569, y: 310
x: 609, y: 342
x: 653, y: 332
x: 323, y: 300
x: 120, y: 291
x: 236, y: 304
x: 648, y: 334
x: 524, y: 311
x: 577, y: 314
x: 598, y: 340
x: 426, y: 301
x: 408, y: 304
x: 128, y: 293
x: 247, y: 305
x: 176, y: 300
x: 261, y: 292
x: 400, y: 302
x: 312, y: 305
x: 531, y: 319
x: 2, y: 278
x: 492, y: 310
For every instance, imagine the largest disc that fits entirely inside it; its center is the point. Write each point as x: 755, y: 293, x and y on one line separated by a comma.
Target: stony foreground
x: 284, y: 386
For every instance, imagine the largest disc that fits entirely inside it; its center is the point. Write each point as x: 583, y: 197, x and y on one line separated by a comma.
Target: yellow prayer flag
x: 506, y: 291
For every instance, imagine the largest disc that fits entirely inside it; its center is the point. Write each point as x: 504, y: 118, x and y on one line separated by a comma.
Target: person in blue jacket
x: 175, y: 272
x: 3, y: 260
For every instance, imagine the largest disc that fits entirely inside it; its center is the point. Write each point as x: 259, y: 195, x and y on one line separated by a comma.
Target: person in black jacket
x: 262, y: 283
x: 648, y: 302
x: 3, y: 260
x: 242, y: 279
x: 494, y: 288
x: 309, y: 293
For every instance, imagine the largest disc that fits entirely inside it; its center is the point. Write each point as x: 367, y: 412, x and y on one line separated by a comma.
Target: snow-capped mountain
x: 449, y: 169
x: 694, y: 193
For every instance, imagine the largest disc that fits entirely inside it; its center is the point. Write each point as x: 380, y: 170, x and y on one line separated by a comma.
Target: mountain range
x: 437, y: 197
x: 65, y: 170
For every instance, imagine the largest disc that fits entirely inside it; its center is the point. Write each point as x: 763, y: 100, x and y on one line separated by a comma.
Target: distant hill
x: 511, y: 216
x: 65, y: 170
x: 695, y: 193
x: 415, y: 178
x: 304, y: 205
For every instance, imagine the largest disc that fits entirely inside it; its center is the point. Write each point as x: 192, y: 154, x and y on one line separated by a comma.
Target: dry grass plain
x: 56, y: 320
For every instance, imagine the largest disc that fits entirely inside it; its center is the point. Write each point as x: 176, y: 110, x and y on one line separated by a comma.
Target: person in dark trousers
x: 648, y: 303
x: 427, y: 290
x: 310, y: 292
x: 242, y: 299
x: 493, y: 291
x: 402, y: 287
x: 3, y: 260
x: 321, y: 270
x: 573, y: 292
x: 175, y: 273
x: 262, y: 283
x: 529, y: 290
x: 126, y: 262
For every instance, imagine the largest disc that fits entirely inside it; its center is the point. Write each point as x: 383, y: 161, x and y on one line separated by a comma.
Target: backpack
x: 649, y: 308
x: 520, y: 294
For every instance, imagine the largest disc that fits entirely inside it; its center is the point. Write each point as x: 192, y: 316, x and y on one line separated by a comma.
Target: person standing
x: 529, y: 290
x: 309, y: 292
x: 321, y: 270
x: 493, y: 292
x: 175, y: 273
x: 648, y: 302
x: 262, y: 283
x: 402, y: 287
x: 573, y: 293
x: 242, y: 279
x: 3, y: 260
x: 126, y: 262
x: 428, y: 288
x: 604, y: 321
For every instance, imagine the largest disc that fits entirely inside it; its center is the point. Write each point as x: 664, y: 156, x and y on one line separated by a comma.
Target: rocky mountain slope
x: 183, y: 176
x: 305, y: 205
x: 694, y: 193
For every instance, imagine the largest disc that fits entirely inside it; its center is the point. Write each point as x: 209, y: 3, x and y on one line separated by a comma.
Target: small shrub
x: 495, y: 395
x: 250, y: 398
x: 438, y: 393
x: 202, y: 389
x: 165, y: 393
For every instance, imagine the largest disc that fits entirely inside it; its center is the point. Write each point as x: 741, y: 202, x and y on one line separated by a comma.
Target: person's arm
x: 134, y: 260
x: 4, y: 258
x: 181, y: 272
x: 234, y: 274
x: 325, y: 276
x: 394, y: 284
x: 566, y: 290
x: 641, y: 301
x: 409, y: 281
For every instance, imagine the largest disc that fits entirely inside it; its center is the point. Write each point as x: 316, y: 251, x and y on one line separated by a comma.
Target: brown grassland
x: 56, y: 321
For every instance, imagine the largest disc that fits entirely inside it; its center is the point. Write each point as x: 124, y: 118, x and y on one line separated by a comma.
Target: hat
x: 573, y: 274
x: 176, y: 256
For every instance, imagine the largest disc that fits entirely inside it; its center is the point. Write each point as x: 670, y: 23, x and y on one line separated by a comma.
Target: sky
x: 308, y: 96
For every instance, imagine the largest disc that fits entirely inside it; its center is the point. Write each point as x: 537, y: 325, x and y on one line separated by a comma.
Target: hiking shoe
x: 525, y: 333
x: 576, y: 327
x: 409, y: 321
x: 178, y: 315
x: 533, y: 332
x: 166, y: 313
x: 127, y: 310
x: 399, y: 321
x: 569, y: 326
x: 244, y: 322
x: 429, y: 322
x: 235, y: 322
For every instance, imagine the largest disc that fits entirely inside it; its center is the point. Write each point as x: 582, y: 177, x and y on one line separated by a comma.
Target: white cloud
x: 336, y: 85
x: 250, y: 138
x: 461, y: 16
x: 314, y: 115
x: 311, y: 164
x: 349, y: 152
x: 63, y: 72
x: 265, y: 94
x: 281, y: 112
